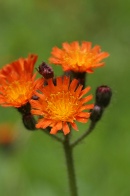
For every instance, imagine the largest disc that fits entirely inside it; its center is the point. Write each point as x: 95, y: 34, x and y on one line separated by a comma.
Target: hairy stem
x: 70, y: 166
x: 89, y: 130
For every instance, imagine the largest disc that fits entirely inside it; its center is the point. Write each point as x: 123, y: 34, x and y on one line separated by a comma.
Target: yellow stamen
x: 18, y: 91
x: 62, y: 106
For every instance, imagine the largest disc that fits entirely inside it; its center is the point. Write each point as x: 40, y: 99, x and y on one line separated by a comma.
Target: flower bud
x: 96, y: 113
x: 25, y: 109
x: 103, y: 95
x: 45, y: 70
x: 81, y: 77
x: 29, y: 122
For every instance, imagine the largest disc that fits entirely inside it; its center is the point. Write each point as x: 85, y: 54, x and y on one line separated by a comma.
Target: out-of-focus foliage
x: 37, y: 167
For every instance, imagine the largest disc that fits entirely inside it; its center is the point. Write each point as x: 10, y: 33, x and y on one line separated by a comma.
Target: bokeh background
x: 36, y: 165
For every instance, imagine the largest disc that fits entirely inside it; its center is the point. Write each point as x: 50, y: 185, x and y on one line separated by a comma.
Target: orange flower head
x: 7, y: 134
x: 61, y: 104
x: 17, y: 82
x: 78, y: 58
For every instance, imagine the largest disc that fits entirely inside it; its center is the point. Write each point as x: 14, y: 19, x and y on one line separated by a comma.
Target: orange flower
x: 61, y: 104
x: 7, y: 134
x: 17, y: 83
x: 78, y: 58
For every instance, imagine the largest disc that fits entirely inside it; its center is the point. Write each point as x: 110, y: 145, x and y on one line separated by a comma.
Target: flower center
x: 79, y: 59
x: 62, y: 106
x: 18, y: 92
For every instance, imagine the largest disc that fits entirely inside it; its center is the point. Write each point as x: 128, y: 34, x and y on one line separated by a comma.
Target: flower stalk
x: 70, y: 166
x: 85, y: 134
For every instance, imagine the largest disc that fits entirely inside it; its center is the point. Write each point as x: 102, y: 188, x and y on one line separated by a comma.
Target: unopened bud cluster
x: 103, y: 97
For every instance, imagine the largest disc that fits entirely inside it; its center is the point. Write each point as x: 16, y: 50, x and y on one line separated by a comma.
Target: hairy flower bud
x: 96, y: 113
x: 81, y: 77
x: 103, y: 95
x: 25, y: 109
x: 29, y: 122
x: 45, y: 70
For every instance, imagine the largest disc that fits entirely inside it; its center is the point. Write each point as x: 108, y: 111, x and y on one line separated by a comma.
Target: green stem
x: 89, y: 130
x: 70, y: 166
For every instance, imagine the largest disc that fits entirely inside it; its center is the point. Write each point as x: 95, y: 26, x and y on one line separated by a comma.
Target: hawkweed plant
x: 52, y: 104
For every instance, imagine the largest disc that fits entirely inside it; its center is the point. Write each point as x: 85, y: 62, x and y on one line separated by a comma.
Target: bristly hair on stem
x: 70, y: 166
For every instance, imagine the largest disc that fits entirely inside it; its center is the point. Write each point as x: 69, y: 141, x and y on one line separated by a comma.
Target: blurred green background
x: 37, y: 167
